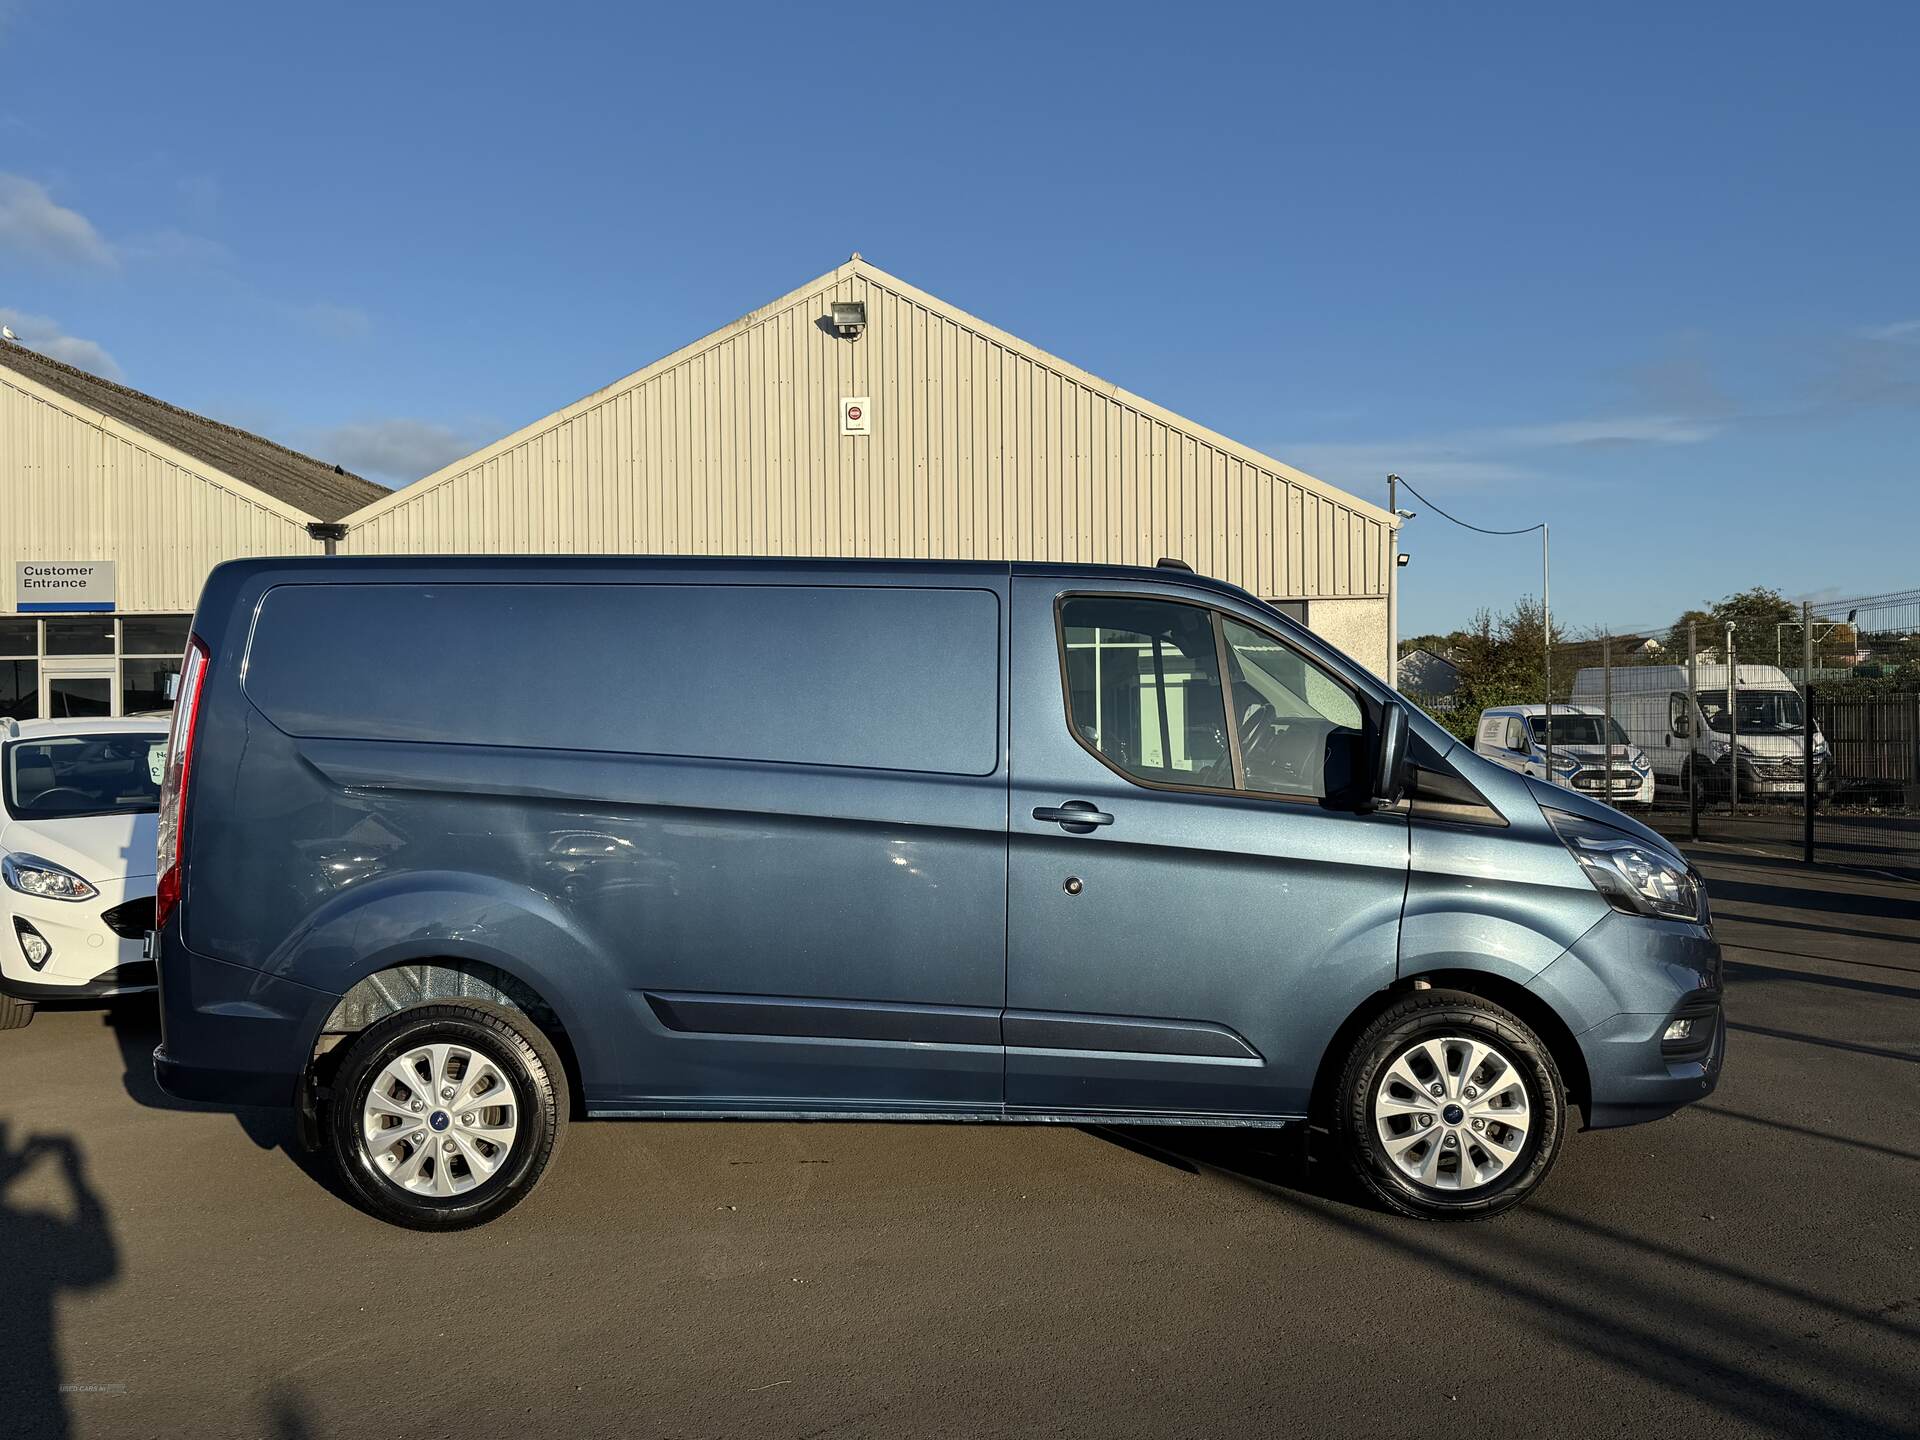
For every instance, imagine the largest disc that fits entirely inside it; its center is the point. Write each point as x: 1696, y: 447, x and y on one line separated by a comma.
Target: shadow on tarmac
x: 135, y: 1024
x: 1629, y: 1320
x: 44, y: 1255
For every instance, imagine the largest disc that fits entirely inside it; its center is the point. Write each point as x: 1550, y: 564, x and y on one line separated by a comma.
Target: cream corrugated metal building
x: 99, y: 478
x: 981, y: 446
x: 969, y: 443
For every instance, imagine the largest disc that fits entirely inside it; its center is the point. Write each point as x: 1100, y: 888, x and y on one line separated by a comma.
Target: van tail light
x: 173, y: 785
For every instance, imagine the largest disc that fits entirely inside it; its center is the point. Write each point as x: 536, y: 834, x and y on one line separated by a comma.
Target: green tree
x: 1705, y: 632
x: 1502, y: 661
x: 1756, y: 616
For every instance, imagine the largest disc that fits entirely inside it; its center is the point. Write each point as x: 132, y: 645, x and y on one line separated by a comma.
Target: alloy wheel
x: 439, y: 1119
x: 1452, y: 1112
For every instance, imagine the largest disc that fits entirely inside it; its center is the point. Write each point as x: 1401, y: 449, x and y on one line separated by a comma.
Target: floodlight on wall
x: 849, y: 318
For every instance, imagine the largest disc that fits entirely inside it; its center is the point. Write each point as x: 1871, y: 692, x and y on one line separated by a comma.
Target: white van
x: 1516, y: 736
x: 1693, y: 745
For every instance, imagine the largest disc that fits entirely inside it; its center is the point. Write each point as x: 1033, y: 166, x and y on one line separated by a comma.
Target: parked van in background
x: 1516, y: 736
x: 932, y: 840
x: 1692, y: 744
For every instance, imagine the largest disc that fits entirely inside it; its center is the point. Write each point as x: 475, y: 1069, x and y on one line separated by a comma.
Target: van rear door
x: 1188, y: 919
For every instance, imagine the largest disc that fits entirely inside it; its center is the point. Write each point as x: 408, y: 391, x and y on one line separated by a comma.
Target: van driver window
x: 1300, y: 730
x: 1143, y: 689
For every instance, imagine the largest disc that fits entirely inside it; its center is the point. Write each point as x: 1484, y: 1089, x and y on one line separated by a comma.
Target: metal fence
x: 1686, y: 727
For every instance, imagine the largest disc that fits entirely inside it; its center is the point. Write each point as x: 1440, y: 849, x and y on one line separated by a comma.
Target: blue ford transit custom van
x: 454, y: 850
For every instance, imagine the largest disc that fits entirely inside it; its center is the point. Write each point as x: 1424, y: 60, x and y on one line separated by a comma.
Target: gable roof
x: 313, y: 487
x: 865, y: 270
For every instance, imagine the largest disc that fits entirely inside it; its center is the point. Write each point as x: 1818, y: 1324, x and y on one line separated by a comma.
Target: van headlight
x: 31, y: 875
x: 1636, y: 878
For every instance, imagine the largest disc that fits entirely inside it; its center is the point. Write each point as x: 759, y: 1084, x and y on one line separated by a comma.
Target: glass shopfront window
x: 150, y: 649
x: 41, y: 673
x: 20, y: 689
x: 80, y: 635
x: 155, y: 635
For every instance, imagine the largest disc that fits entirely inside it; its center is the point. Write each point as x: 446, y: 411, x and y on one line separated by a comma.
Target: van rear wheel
x: 1450, y: 1108
x: 446, y: 1116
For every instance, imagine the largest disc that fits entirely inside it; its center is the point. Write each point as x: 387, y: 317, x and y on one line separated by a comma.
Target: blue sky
x: 1647, y: 273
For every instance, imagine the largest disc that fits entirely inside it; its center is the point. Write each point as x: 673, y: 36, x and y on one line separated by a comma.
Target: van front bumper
x: 1619, y: 988
x: 229, y: 1034
x: 1634, y: 1076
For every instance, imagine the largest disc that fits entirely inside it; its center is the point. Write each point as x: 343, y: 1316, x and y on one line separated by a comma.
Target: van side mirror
x: 1390, y: 761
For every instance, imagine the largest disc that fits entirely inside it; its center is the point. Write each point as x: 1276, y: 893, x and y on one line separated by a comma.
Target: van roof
x: 696, y: 568
x: 1631, y: 679
x: 1541, y: 709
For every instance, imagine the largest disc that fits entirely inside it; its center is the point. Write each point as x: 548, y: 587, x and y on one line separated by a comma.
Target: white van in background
x: 1516, y: 736
x: 1693, y: 745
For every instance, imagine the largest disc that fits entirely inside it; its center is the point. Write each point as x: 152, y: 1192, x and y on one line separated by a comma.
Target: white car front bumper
x: 90, y: 959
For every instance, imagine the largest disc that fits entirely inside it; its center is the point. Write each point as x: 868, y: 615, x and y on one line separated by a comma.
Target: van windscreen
x: 1570, y: 730
x: 1762, y: 712
x: 876, y: 677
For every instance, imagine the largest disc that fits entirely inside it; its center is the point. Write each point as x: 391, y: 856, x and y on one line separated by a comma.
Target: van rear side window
x: 874, y: 677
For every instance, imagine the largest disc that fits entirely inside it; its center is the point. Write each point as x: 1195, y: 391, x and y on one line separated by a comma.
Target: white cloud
x: 1899, y: 330
x: 33, y: 223
x: 1362, y: 467
x: 1499, y: 455
x: 397, y: 449
x: 39, y: 332
x: 1619, y: 430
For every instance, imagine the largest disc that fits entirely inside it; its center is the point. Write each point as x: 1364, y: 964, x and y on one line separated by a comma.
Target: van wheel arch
x: 1540, y: 1017
x: 411, y: 984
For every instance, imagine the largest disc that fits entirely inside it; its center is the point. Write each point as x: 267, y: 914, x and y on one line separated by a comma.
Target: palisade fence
x: 1667, y: 724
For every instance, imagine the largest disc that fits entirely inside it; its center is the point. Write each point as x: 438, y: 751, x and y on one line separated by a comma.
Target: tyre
x: 446, y: 1116
x: 1692, y: 781
x: 1450, y: 1108
x: 14, y: 1014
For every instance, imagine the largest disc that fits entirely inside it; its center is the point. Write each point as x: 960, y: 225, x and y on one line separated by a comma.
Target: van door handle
x: 1078, y: 816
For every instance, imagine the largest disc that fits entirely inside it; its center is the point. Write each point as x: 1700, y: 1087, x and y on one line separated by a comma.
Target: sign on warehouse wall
x: 49, y: 585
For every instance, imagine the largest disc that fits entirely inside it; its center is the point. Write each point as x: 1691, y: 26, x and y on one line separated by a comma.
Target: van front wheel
x: 446, y: 1116
x: 1450, y: 1108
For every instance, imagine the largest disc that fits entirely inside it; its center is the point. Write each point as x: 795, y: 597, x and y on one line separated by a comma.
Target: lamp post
x: 1546, y: 637
x: 1396, y: 560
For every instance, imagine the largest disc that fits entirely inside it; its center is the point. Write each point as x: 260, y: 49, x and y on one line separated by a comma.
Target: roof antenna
x: 1167, y: 562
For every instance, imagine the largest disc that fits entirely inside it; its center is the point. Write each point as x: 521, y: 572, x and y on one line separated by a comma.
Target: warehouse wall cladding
x: 854, y: 416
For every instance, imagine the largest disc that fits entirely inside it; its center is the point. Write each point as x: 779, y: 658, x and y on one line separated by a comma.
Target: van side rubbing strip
x: 1053, y: 1030
x: 824, y: 1019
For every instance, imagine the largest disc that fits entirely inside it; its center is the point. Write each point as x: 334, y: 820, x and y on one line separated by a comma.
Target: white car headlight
x: 1636, y: 877
x: 31, y: 875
